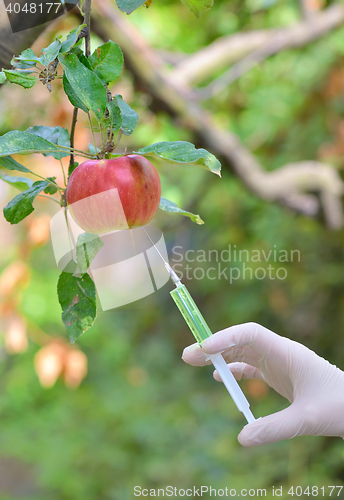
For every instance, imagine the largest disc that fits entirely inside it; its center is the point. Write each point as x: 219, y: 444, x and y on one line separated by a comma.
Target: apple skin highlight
x: 138, y: 186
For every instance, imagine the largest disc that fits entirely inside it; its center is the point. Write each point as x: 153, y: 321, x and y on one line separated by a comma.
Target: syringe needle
x: 156, y: 248
x: 169, y: 269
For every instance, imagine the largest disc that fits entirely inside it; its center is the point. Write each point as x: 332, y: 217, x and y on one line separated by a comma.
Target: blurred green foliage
x: 141, y: 416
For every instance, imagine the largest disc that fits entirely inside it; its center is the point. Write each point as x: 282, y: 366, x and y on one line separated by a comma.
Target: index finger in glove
x: 244, y: 343
x: 256, y: 342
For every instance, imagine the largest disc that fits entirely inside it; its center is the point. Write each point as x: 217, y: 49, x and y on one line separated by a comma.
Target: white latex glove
x: 314, y: 387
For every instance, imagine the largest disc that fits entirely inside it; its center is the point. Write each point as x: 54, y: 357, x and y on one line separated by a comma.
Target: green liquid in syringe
x: 191, y: 313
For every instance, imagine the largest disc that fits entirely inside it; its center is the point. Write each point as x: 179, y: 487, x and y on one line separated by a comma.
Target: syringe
x: 201, y: 331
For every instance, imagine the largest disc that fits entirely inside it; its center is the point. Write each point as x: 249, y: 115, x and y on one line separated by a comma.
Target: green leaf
x: 87, y: 247
x: 21, y: 206
x: 107, y: 61
x: 50, y: 53
x: 77, y: 297
x: 82, y: 58
x: 24, y: 143
x: 72, y: 96
x: 128, y: 115
x: 86, y: 84
x: 10, y: 164
x: 115, y: 118
x: 92, y: 150
x: 2, y: 77
x: 128, y: 6
x: 27, y: 59
x: 198, y: 6
x: 20, y: 78
x: 52, y: 188
x: 55, y: 135
x: 183, y: 152
x: 72, y: 167
x: 169, y: 206
x: 21, y: 183
x: 71, y: 39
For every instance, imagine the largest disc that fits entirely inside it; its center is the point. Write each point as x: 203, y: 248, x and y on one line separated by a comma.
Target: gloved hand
x: 314, y: 387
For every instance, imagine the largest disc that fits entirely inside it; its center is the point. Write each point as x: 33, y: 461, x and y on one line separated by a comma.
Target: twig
x: 87, y: 21
x: 72, y: 134
x: 49, y: 198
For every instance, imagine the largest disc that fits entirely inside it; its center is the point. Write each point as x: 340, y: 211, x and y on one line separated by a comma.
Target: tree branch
x: 87, y: 21
x: 254, y: 46
x: 72, y: 134
x: 222, y: 52
x: 292, y: 185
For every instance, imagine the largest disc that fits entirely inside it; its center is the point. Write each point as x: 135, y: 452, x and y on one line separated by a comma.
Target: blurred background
x: 120, y: 408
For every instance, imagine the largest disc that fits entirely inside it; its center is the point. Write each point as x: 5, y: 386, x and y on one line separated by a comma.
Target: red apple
x: 139, y: 190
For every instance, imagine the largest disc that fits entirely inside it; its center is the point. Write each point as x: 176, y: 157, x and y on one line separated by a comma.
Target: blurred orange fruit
x: 39, y: 230
x: 15, y: 335
x: 49, y: 363
x: 75, y: 368
x: 60, y: 359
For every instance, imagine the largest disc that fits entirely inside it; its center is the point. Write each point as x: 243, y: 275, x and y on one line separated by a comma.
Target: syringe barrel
x: 191, y: 313
x: 201, y: 332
